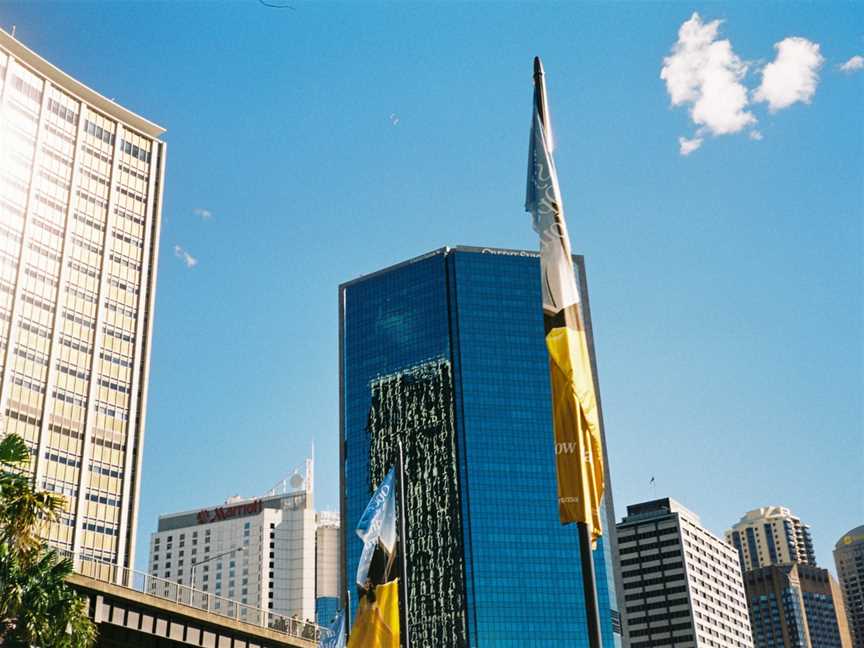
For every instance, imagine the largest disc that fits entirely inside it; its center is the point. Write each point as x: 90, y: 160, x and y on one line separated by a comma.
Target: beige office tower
x: 771, y: 535
x: 80, y: 198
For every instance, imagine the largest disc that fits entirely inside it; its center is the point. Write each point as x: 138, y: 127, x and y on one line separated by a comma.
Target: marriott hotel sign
x: 220, y: 513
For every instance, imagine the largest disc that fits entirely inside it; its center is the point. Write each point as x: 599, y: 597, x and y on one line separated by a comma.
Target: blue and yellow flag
x: 377, y: 526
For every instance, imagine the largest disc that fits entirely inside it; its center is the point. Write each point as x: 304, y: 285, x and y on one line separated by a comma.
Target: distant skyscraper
x: 327, y: 576
x: 80, y: 200
x: 771, y: 535
x: 849, y: 559
x: 257, y: 551
x: 446, y: 351
x: 796, y: 606
x: 682, y: 585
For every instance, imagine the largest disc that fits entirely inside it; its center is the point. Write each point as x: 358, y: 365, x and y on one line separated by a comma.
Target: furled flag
x: 377, y: 526
x: 334, y: 636
x: 578, y: 449
x: 377, y: 621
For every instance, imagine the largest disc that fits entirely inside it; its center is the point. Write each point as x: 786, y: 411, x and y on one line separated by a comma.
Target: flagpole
x: 406, y: 641
x: 571, y: 317
x: 589, y: 577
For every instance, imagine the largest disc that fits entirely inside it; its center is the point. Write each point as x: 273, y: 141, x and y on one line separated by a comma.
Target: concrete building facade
x: 81, y: 183
x: 771, y: 535
x: 257, y: 551
x: 849, y: 560
x: 682, y: 585
x: 796, y: 606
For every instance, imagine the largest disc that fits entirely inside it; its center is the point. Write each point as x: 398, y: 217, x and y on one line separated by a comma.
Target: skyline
x: 722, y: 260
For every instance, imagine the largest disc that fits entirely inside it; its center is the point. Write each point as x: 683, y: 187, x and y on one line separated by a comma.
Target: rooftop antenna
x: 13, y: 31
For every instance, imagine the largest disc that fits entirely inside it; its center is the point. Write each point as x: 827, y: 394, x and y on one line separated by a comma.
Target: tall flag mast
x: 576, y: 426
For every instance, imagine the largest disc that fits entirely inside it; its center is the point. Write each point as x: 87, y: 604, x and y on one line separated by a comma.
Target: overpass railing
x: 191, y: 597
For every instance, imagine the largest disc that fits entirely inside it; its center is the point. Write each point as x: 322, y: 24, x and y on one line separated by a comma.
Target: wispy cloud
x: 687, y: 146
x: 705, y: 73
x: 853, y: 65
x: 755, y: 135
x: 793, y: 75
x: 203, y: 214
x: 394, y: 119
x: 182, y: 254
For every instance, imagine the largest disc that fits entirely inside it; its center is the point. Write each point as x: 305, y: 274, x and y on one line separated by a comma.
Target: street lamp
x: 211, y: 558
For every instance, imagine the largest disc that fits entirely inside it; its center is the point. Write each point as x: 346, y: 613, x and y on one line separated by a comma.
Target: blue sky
x: 331, y: 140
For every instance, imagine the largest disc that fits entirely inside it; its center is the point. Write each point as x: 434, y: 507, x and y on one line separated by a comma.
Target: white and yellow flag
x: 578, y: 447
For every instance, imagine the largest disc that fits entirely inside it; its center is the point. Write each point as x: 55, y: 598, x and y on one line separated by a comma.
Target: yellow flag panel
x: 578, y: 449
x: 377, y: 624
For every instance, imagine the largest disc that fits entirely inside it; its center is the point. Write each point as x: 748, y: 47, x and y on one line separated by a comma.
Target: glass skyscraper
x: 446, y: 352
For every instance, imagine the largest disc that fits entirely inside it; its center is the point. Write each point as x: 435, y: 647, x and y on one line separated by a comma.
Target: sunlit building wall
x: 80, y: 200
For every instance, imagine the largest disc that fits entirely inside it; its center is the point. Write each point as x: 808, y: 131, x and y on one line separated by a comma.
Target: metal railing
x: 189, y: 596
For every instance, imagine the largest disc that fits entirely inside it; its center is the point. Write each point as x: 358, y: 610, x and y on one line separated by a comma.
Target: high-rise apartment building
x: 849, y: 560
x: 681, y: 584
x: 796, y: 605
x: 257, y: 551
x: 771, y: 535
x: 447, y: 353
x: 327, y: 576
x: 80, y: 200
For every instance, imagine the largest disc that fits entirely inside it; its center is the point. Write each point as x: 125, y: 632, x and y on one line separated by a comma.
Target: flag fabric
x: 377, y: 526
x: 334, y: 637
x: 578, y: 450
x: 377, y: 622
x: 576, y: 426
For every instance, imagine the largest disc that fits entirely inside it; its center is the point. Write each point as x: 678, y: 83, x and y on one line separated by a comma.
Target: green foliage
x: 37, y: 606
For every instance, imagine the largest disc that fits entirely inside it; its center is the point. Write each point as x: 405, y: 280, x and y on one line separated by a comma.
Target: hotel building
x: 80, y: 199
x: 271, y: 552
x: 682, y: 584
x: 447, y: 353
x: 771, y: 535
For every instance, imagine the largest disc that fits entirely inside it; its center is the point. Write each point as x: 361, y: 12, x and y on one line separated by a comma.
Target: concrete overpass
x: 129, y: 618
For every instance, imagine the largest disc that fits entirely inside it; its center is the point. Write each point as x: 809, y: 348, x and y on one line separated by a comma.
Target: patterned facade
x: 80, y: 200
x: 446, y: 352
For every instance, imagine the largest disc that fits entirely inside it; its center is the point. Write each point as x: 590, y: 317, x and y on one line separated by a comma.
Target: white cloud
x: 184, y: 255
x: 755, y: 135
x: 204, y: 214
x: 853, y: 64
x: 706, y: 74
x: 792, y: 76
x: 394, y: 119
x: 687, y: 146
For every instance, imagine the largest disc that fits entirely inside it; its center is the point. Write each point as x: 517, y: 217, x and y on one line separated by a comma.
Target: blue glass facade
x: 453, y: 343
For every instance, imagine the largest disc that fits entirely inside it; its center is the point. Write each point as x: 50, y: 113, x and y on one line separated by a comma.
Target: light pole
x: 211, y: 558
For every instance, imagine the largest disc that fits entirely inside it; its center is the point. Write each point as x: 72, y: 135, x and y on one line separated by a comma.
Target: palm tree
x: 37, y: 606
